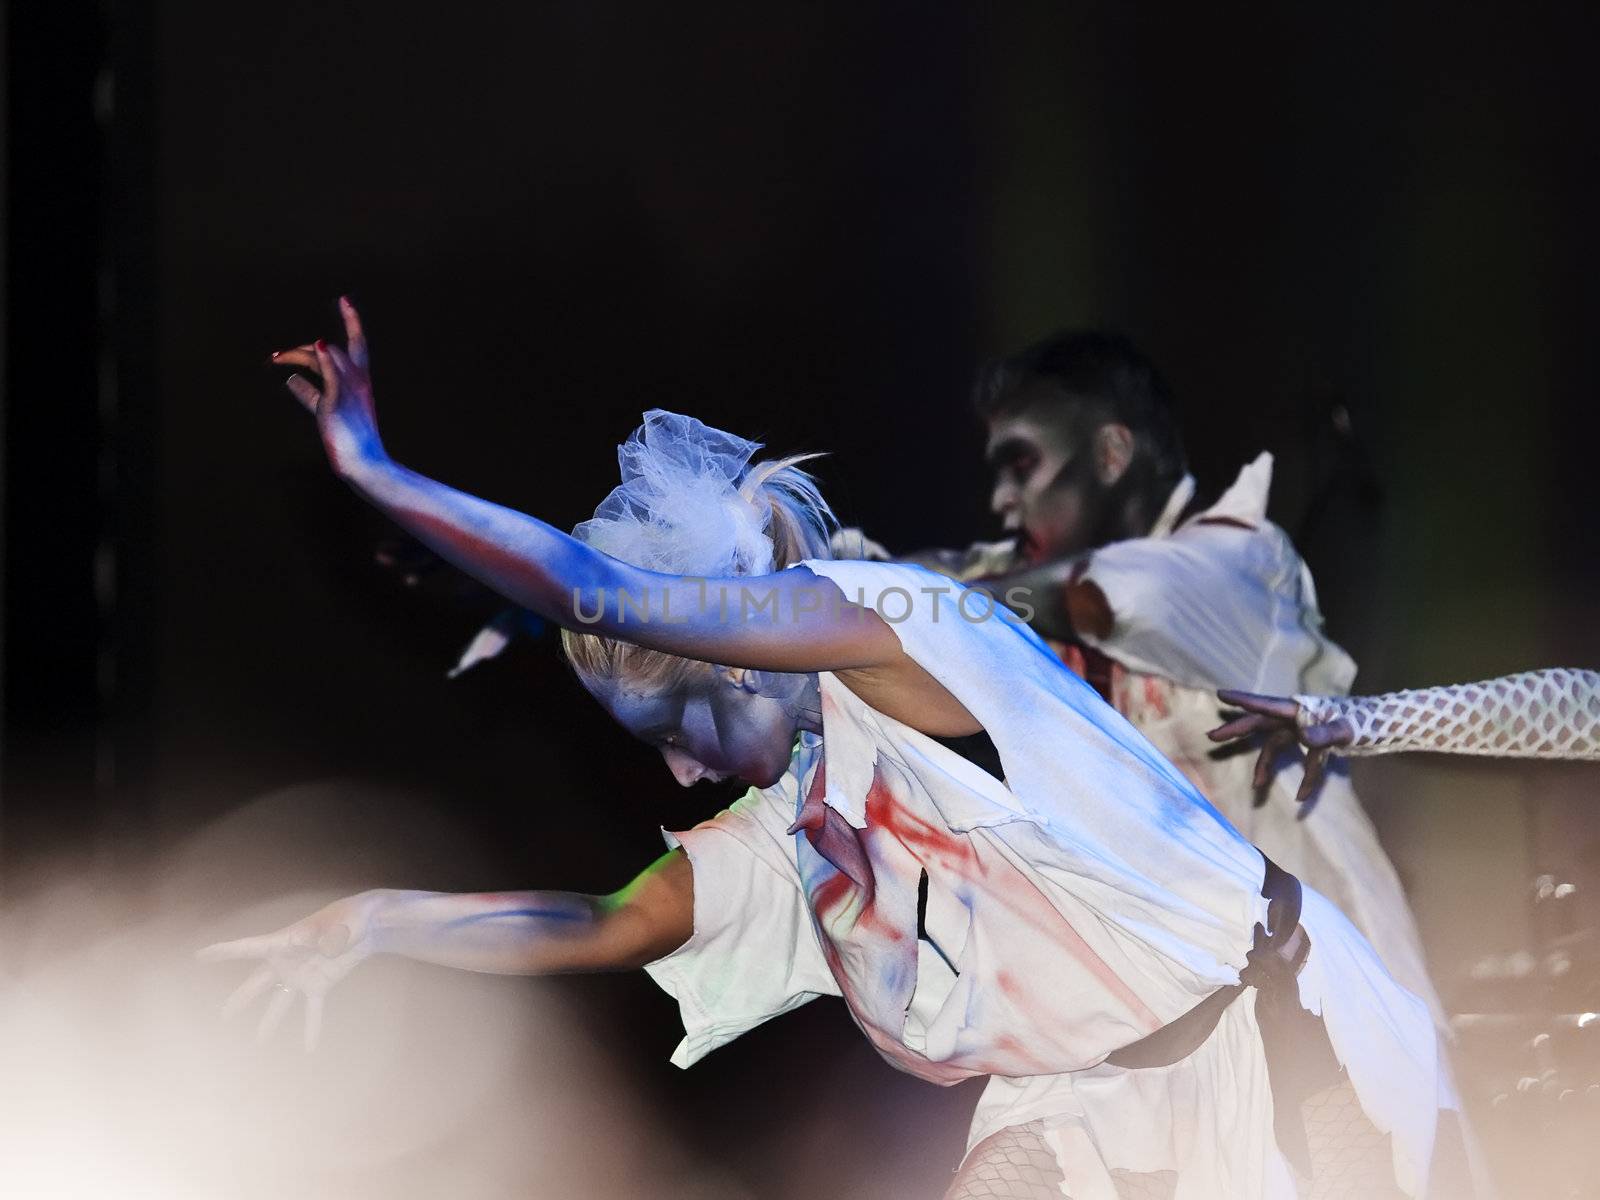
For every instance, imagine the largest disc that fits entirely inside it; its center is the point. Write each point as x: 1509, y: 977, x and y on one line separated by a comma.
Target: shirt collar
x: 1176, y: 503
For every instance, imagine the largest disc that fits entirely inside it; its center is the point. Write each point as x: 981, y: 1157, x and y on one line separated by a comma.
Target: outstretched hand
x: 1277, y: 719
x: 303, y: 959
x: 342, y: 404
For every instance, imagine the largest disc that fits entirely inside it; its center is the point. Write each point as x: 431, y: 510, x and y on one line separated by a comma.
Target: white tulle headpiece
x: 679, y: 509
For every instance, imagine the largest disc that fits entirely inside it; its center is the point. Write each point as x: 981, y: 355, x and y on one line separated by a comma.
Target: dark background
x: 807, y: 225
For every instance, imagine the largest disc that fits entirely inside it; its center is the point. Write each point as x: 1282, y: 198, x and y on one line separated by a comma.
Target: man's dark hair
x: 1089, y: 378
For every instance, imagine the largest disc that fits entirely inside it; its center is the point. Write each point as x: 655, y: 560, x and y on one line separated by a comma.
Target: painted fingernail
x: 276, y: 354
x: 322, y: 346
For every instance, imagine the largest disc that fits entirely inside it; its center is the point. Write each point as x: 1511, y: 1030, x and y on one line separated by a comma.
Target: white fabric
x: 1534, y: 714
x: 1092, y: 897
x: 1225, y: 601
x: 746, y: 896
x: 1167, y: 520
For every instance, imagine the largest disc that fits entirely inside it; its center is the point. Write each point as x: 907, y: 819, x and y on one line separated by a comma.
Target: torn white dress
x: 1088, y: 900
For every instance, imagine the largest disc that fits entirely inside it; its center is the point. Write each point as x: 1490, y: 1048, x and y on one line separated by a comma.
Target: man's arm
x: 1055, y: 598
x: 1535, y: 714
x: 1553, y: 713
x: 977, y: 561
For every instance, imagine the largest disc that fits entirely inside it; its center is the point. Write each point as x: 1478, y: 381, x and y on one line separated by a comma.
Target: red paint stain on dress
x: 997, y: 877
x: 866, y: 947
x: 1016, y: 1052
x: 950, y: 849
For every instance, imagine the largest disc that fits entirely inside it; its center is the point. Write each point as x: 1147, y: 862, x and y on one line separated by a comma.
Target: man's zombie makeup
x: 1046, y: 491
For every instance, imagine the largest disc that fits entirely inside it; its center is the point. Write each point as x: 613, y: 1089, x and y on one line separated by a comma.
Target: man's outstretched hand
x: 1279, y: 721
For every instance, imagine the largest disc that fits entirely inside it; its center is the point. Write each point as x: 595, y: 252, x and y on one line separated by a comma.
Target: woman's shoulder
x: 904, y: 573
x: 905, y: 594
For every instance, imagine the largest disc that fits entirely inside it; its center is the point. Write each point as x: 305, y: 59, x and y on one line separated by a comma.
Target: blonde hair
x: 797, y: 521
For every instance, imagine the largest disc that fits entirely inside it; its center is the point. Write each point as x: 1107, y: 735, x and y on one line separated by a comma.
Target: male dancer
x: 1160, y: 601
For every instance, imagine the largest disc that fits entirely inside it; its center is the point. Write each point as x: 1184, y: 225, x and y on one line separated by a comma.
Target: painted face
x: 1045, y: 489
x: 716, y: 727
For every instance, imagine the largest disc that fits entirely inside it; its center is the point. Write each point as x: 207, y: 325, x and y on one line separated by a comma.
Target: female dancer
x: 1077, y: 931
x: 1554, y: 713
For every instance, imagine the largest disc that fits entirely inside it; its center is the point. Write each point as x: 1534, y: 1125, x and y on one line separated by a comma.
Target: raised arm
x: 503, y: 933
x: 790, y: 621
x: 1055, y: 598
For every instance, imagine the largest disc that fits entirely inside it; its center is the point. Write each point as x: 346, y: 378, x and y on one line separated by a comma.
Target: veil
x: 680, y: 509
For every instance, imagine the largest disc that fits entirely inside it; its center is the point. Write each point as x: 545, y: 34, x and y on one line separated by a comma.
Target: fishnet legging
x: 1537, y: 714
x: 1350, y: 1161
x: 1014, y: 1163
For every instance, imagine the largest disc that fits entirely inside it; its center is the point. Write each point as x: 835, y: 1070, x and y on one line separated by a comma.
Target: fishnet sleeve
x: 1535, y: 714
